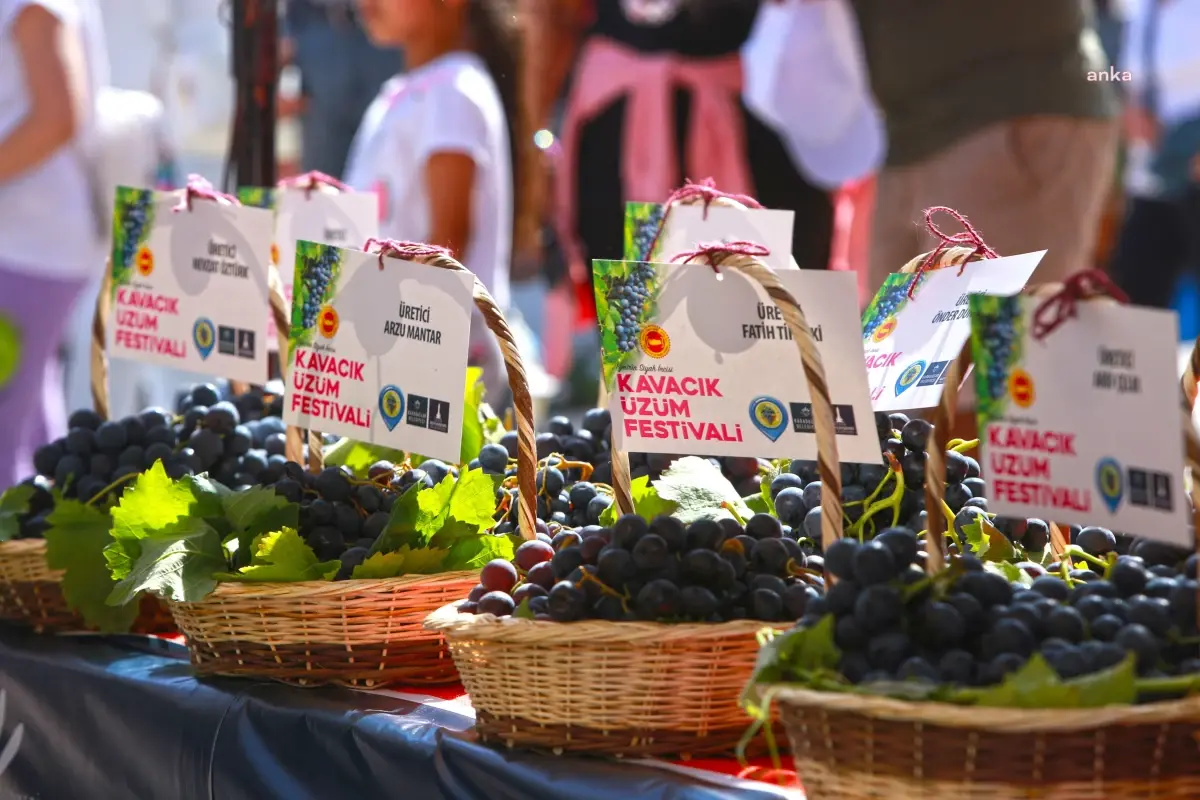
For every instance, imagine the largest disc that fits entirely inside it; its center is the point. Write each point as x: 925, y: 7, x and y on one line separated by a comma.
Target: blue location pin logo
x: 391, y: 406
x: 204, y: 336
x: 1111, y: 483
x: 768, y: 416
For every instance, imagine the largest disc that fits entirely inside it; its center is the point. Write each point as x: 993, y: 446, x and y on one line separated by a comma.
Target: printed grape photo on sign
x: 372, y: 341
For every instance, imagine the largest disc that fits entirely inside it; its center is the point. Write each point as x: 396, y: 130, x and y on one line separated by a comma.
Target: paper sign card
x: 378, y: 354
x: 343, y: 219
x: 700, y: 364
x: 190, y: 286
x: 1082, y: 426
x: 911, y: 342
x: 689, y: 226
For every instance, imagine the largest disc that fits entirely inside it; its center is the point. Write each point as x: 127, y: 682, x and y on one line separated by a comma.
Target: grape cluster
x: 134, y: 217
x: 661, y: 571
x: 231, y: 440
x: 240, y: 443
x: 629, y: 297
x: 316, y: 276
x: 342, y: 516
x: 976, y: 627
x: 96, y: 458
x: 566, y: 497
x: 645, y: 232
x: 998, y: 335
x: 886, y: 305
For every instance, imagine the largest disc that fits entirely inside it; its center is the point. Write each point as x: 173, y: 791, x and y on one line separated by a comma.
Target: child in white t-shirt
x: 437, y: 144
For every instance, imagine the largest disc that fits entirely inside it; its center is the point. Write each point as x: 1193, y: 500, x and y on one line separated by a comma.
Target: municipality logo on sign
x: 768, y: 416
x: 1111, y: 482
x: 909, y: 377
x: 391, y: 406
x: 204, y: 336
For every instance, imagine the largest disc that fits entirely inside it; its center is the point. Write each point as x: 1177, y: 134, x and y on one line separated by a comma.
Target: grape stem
x: 893, y: 500
x: 103, y: 492
x: 1076, y: 550
x: 963, y: 447
x: 725, y: 504
x: 584, y: 468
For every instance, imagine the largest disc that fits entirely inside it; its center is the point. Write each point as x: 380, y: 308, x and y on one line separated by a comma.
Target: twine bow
x: 707, y: 191
x: 409, y: 251
x: 198, y: 186
x: 717, y: 252
x: 312, y: 180
x: 968, y: 237
x: 1061, y: 306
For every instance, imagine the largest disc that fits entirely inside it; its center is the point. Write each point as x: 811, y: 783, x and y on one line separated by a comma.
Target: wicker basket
x: 356, y: 632
x: 629, y: 688
x: 31, y: 595
x: 851, y: 746
x: 31, y: 592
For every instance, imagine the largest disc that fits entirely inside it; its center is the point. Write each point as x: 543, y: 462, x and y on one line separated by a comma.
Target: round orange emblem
x: 274, y: 254
x: 327, y: 322
x: 144, y: 260
x: 1020, y: 388
x: 884, y: 330
x: 654, y: 341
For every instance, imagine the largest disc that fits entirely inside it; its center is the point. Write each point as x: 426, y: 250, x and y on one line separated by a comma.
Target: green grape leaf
x: 359, y: 456
x: 283, y: 557
x: 75, y: 542
x: 756, y: 504
x: 472, y: 428
x: 699, y: 489
x: 764, y: 492
x: 155, y: 503
x: 523, y: 611
x: 433, y: 508
x: 473, y: 552
x: 1036, y: 685
x: 401, y: 529
x: 1009, y: 571
x: 181, y: 568
x: 405, y: 561
x: 796, y: 655
x: 256, y: 511
x: 987, y: 542
x: 14, y: 504
x: 646, y: 502
x: 473, y: 501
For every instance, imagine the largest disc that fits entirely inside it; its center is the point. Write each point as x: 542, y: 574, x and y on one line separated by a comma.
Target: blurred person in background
x: 52, y: 65
x: 654, y: 98
x: 1160, y: 237
x: 170, y: 100
x: 341, y: 71
x: 440, y: 145
x: 990, y: 111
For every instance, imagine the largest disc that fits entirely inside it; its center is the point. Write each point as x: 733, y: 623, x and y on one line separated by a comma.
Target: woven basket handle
x: 294, y: 448
x: 99, y: 359
x: 814, y: 372
x: 1191, y: 377
x: 518, y: 383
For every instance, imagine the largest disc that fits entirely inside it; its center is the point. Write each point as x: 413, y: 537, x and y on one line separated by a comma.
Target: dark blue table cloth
x: 124, y: 719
